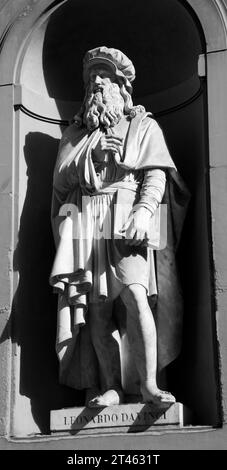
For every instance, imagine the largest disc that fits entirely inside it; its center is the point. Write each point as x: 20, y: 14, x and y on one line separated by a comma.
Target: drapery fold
x: 88, y: 268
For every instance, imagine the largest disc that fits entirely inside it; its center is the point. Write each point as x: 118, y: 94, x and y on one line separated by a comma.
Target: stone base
x: 123, y: 418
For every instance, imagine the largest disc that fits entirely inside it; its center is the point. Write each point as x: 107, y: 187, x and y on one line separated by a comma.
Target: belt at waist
x: 112, y: 188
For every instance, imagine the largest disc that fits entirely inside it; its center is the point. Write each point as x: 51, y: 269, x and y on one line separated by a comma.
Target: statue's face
x: 104, y: 104
x: 100, y: 76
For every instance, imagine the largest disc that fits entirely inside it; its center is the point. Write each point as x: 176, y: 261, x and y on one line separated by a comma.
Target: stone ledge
x: 128, y: 417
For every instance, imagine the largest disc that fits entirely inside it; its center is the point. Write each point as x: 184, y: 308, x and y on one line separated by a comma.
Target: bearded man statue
x: 119, y: 300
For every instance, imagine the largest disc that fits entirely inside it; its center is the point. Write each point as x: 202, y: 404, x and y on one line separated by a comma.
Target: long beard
x: 105, y: 107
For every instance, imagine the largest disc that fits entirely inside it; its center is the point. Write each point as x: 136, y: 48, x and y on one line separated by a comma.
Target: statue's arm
x: 152, y: 190
x: 151, y: 195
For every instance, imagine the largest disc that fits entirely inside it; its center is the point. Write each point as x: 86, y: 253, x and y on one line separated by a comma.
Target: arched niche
x: 212, y: 16
x: 18, y: 20
x: 39, y: 54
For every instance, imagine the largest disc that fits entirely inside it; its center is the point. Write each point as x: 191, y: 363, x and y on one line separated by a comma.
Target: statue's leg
x: 103, y: 335
x: 143, y: 339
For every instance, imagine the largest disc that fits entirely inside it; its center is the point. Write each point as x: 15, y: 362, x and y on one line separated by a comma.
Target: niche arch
x: 25, y: 36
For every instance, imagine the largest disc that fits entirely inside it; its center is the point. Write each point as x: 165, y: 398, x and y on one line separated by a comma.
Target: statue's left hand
x: 137, y: 228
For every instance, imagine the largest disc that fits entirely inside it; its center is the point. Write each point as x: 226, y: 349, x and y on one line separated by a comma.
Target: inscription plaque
x: 133, y: 416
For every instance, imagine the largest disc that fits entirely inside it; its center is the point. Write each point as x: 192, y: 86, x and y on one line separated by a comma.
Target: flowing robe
x: 88, y: 268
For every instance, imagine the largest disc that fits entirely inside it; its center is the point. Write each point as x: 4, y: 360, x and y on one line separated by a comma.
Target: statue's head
x: 121, y: 66
x: 108, y: 75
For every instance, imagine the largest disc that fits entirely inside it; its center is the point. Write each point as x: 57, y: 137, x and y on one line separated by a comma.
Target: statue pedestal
x: 119, y: 418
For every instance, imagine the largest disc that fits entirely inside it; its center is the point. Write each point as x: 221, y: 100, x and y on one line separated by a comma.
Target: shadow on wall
x: 193, y: 376
x: 34, y: 303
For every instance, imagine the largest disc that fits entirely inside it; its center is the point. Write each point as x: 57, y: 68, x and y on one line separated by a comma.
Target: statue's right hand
x: 112, y: 143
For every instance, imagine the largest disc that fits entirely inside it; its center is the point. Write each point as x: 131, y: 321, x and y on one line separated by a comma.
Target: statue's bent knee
x: 133, y: 295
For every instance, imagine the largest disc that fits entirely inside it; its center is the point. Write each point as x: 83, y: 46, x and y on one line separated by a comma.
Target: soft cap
x: 119, y: 62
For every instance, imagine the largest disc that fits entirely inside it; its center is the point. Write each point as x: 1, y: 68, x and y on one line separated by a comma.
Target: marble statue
x: 114, y: 165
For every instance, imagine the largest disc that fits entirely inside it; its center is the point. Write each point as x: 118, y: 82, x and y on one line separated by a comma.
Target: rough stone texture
x: 6, y: 96
x: 218, y: 179
x: 217, y: 105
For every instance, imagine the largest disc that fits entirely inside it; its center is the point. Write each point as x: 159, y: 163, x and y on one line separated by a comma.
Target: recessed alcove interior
x: 164, y: 40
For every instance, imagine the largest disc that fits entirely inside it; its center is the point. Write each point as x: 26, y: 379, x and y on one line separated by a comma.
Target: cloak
x: 74, y: 174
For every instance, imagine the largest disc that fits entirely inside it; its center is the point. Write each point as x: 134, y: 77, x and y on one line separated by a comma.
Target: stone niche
x: 47, y: 91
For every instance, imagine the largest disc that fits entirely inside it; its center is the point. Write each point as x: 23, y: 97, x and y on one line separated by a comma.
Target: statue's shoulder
x: 71, y: 135
x: 145, y: 121
x: 70, y: 138
x: 149, y: 120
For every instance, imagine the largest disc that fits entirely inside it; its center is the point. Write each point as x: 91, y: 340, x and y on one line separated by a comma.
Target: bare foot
x: 156, y: 396
x: 109, y: 398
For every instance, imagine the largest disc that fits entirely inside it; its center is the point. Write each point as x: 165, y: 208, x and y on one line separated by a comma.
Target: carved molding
x: 19, y: 19
x: 17, y: 23
x: 212, y: 15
